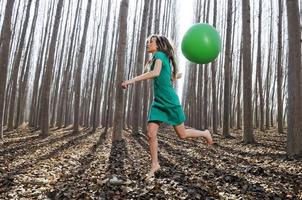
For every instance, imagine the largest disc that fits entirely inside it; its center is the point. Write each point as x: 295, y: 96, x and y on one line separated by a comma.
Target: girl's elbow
x: 155, y: 74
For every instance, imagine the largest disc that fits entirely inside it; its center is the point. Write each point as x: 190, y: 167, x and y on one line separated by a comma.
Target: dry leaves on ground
x: 90, y: 166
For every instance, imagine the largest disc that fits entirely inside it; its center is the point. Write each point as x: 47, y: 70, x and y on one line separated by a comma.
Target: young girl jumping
x: 165, y: 107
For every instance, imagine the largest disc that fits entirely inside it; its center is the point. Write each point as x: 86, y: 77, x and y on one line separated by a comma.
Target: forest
x: 68, y: 130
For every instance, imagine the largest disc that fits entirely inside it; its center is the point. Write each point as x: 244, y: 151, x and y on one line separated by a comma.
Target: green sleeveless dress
x: 165, y: 107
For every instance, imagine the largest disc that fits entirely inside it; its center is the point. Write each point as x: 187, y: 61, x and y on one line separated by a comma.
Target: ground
x: 90, y: 166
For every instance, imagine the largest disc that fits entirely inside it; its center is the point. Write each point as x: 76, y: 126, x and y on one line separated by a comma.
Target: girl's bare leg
x: 153, y: 144
x: 184, y: 133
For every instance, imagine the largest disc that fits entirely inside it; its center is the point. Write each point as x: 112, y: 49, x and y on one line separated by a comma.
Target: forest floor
x: 89, y: 166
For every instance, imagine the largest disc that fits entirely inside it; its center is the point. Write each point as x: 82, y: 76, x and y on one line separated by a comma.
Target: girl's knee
x: 152, y: 135
x: 152, y: 131
x: 181, y: 131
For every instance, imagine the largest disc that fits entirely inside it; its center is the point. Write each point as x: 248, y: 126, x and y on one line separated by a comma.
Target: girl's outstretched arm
x: 148, y: 75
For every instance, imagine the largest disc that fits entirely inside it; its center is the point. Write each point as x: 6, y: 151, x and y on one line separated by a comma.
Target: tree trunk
x: 5, y: 39
x: 140, y: 63
x: 294, y: 135
x: 279, y: 70
x: 205, y: 97
x: 78, y: 77
x: 119, y: 98
x: 248, y: 136
x: 259, y: 71
x: 48, y: 72
x: 227, y: 74
x: 15, y: 70
x: 61, y: 67
x: 35, y: 94
x: 268, y: 73
x: 213, y: 75
x: 62, y: 106
x: 239, y: 118
x: 24, y: 75
x: 99, y: 76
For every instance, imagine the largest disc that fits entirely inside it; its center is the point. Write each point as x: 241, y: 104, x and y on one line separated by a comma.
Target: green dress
x: 165, y: 106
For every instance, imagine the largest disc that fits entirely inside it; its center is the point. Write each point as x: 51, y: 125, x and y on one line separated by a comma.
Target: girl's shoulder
x: 160, y: 55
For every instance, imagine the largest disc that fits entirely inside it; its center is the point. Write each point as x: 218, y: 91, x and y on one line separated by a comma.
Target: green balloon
x: 201, y: 43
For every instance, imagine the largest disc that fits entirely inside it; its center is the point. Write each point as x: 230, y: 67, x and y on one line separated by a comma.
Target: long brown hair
x: 165, y: 46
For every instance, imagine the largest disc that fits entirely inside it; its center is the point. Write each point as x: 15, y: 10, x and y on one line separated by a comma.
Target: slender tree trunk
x: 268, y: 73
x: 48, y: 72
x: 140, y: 63
x: 34, y: 107
x: 239, y: 118
x: 62, y: 107
x: 56, y: 90
x: 256, y: 121
x: 5, y: 39
x: 24, y: 76
x: 227, y: 74
x: 294, y: 135
x: 205, y: 97
x: 259, y: 71
x: 273, y: 98
x: 119, y: 98
x: 248, y: 136
x: 99, y: 77
x: 15, y: 70
x: 78, y: 77
x: 213, y: 75
x: 279, y: 70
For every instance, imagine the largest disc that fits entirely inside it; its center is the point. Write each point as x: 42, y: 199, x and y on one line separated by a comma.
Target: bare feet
x: 209, y: 138
x: 154, y: 168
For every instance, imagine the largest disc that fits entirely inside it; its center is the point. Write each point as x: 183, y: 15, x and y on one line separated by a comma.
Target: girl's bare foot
x: 154, y: 168
x: 209, y: 138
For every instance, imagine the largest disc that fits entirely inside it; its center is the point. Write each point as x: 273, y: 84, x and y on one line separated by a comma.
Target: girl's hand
x: 125, y: 84
x: 178, y: 75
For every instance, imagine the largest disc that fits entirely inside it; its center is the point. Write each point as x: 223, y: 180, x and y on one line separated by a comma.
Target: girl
x: 166, y: 106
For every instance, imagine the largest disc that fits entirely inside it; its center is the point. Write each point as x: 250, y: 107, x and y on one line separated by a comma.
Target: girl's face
x: 151, y: 45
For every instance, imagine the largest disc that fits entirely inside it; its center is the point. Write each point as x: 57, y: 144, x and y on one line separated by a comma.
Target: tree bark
x: 78, y: 77
x: 227, y: 74
x: 140, y: 63
x: 294, y: 135
x: 119, y: 98
x: 248, y: 136
x: 5, y: 39
x: 15, y: 70
x: 48, y: 72
x: 279, y: 70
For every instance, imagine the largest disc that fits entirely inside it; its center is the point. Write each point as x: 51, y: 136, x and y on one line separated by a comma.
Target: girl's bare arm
x: 148, y: 75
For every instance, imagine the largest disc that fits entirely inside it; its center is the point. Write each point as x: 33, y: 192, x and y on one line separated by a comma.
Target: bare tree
x: 48, y: 73
x: 294, y: 135
x: 23, y: 80
x: 213, y: 82
x: 119, y: 98
x: 227, y: 74
x: 268, y: 73
x: 15, y: 70
x: 62, y: 105
x: 99, y: 74
x: 239, y: 120
x: 35, y: 100
x: 248, y: 136
x: 5, y: 39
x: 259, y: 71
x: 140, y: 62
x: 78, y: 77
x: 279, y: 70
